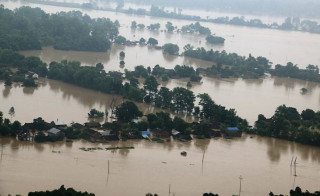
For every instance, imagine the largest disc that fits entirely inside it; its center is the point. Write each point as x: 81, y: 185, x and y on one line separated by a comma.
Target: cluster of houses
x: 105, y: 132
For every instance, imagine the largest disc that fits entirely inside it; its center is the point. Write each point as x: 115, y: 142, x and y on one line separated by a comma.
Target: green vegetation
x: 31, y: 28
x: 127, y: 111
x: 95, y: 114
x: 298, y: 192
x: 120, y: 40
x: 171, y: 49
x: 233, y: 65
x: 311, y: 73
x: 169, y: 27
x: 215, y: 39
x: 307, y: 8
x: 152, y: 41
x: 290, y: 23
x: 287, y: 123
x: 61, y: 192
x: 133, y: 24
x: 196, y: 28
x: 122, y: 54
x: 154, y: 27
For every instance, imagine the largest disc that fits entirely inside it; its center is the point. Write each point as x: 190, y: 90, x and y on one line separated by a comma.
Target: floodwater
x: 57, y: 100
x: 263, y: 163
x: 135, y: 55
x: 278, y: 46
x: 54, y: 99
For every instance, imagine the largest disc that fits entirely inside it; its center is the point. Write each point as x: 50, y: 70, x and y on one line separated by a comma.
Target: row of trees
x: 196, y: 28
x: 31, y: 28
x: 179, y: 71
x: 233, y: 65
x: 290, y: 23
x: 287, y: 123
x: 311, y: 73
x: 62, y: 191
x: 229, y: 64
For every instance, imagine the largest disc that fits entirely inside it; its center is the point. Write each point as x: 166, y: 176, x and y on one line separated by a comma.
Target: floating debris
x: 121, y: 147
x: 91, y: 149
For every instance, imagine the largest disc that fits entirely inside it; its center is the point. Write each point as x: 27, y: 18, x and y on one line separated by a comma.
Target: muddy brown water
x: 264, y: 164
x: 279, y: 46
x: 54, y: 99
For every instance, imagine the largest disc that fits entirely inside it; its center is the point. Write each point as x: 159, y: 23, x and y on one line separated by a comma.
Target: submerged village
x: 41, y: 131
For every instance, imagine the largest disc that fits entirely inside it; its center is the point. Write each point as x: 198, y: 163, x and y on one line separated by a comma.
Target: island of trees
x: 232, y: 65
x: 31, y: 28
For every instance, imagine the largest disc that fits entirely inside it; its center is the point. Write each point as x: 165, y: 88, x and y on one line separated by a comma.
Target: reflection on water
x: 54, y: 99
x: 263, y: 162
x: 6, y: 91
x: 135, y: 55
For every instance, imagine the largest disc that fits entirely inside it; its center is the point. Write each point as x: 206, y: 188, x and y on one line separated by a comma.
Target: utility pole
x: 240, y: 178
x: 108, y: 167
x: 295, y: 167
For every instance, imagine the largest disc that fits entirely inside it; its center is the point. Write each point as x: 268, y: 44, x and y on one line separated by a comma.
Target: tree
x: 122, y: 63
x: 164, y: 98
x: 171, y: 49
x: 122, y: 54
x: 183, y: 99
x: 99, y: 66
x: 120, y: 40
x: 155, y: 26
x: 11, y: 112
x: 142, y: 41
x: 208, y: 106
x: 141, y: 26
x: 151, y: 86
x: 95, y: 114
x: 169, y: 26
x: 215, y: 39
x: 127, y: 111
x: 133, y: 24
x: 152, y: 41
x: 308, y: 114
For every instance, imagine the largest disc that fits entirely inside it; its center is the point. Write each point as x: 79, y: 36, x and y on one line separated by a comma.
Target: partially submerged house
x: 92, y: 125
x: 104, y: 135
x: 160, y: 133
x: 77, y: 126
x: 31, y: 75
x: 59, y: 124
x: 175, y: 133
x: 55, y: 132
x: 145, y: 134
x: 232, y: 132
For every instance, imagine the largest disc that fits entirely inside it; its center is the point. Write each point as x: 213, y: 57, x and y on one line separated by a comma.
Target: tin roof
x: 53, y: 131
